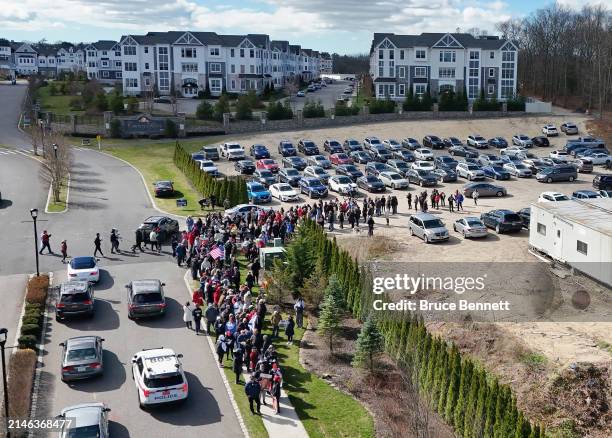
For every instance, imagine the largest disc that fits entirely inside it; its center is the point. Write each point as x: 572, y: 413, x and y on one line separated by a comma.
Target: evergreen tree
x: 453, y: 384
x: 479, y: 413
x: 335, y: 288
x: 329, y: 319
x: 500, y: 411
x: 490, y: 406
x: 443, y: 381
x: 243, y: 109
x: 409, y: 103
x: 369, y: 344
x: 523, y: 428
x: 101, y: 102
x: 464, y: 386
x: 132, y: 104
x: 300, y: 260
x: 116, y: 103
x: 470, y: 405
x: 205, y: 111
x: 314, y: 286
x: 426, y: 101
x: 221, y: 107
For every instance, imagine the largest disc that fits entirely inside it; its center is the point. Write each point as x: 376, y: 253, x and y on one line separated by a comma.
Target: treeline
x: 465, y: 394
x: 565, y: 55
x: 357, y: 64
x: 233, y: 189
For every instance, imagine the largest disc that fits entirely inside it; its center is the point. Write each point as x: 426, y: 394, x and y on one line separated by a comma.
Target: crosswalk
x: 30, y: 152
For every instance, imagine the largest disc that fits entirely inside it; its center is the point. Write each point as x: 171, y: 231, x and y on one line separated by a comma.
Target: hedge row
x: 466, y: 395
x: 232, y: 189
x: 32, y: 319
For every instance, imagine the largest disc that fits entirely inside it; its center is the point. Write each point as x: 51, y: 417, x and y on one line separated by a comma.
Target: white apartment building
x: 451, y: 61
x: 104, y: 61
x: 327, y: 65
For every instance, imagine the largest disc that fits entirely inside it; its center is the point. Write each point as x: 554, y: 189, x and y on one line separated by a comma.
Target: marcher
x: 290, y: 330
x: 212, y: 313
x: 275, y: 392
x: 138, y: 243
x: 114, y: 240
x: 252, y: 390
x: 409, y: 199
x: 64, y: 250
x: 275, y: 319
x: 181, y: 252
x: 153, y: 239
x: 451, y: 200
x: 237, y: 364
x: 370, y: 226
x: 221, y: 348
x: 98, y: 245
x: 299, y: 311
x: 475, y: 196
x: 188, y: 315
x: 45, y: 242
x: 197, y: 318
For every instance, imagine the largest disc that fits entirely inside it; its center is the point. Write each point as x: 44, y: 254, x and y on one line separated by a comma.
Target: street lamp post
x: 55, y: 150
x: 3, y: 333
x: 34, y: 214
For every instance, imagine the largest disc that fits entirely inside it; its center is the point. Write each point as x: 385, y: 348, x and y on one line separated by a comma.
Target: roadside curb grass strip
x: 66, y: 202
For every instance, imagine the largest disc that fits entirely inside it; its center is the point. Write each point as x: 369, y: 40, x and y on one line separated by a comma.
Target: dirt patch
x: 397, y: 410
x: 601, y: 128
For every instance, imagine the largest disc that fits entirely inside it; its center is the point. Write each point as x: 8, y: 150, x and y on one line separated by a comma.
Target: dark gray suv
x: 76, y: 298
x: 145, y: 298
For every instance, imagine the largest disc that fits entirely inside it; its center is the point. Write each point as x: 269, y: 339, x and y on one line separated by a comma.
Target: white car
x: 423, y: 165
x: 423, y: 154
x: 599, y: 158
x: 392, y: 145
x: 159, y: 377
x: 552, y: 197
x: 283, y: 192
x: 371, y: 141
x: 560, y: 155
x: 208, y: 166
x: 470, y: 226
x: 518, y: 169
x: 522, y: 140
x: 342, y: 184
x: 232, y: 151
x: 550, y: 130
x: 605, y: 193
x: 472, y: 172
x: 393, y: 180
x: 317, y: 172
x: 300, y: 94
x: 242, y: 210
x: 513, y: 151
x: 477, y: 141
x: 84, y: 268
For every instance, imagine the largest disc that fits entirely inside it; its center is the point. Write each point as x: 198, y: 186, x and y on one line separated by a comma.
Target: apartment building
x: 443, y: 61
x: 48, y: 60
x: 7, y: 65
x: 327, y: 65
x: 103, y: 61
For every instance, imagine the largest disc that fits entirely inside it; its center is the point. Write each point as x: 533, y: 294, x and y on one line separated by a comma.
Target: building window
x: 164, y: 81
x: 381, y: 68
x: 232, y: 53
x: 420, y: 54
x: 215, y: 67
x: 130, y: 66
x: 447, y: 56
x: 582, y: 247
x: 541, y: 229
x: 473, y: 88
x: 446, y: 72
x: 118, y: 74
x: 252, y: 69
x: 214, y: 51
x: 474, y: 55
x: 146, y: 65
x: 131, y: 83
x: 381, y: 90
x: 401, y: 90
x: 401, y: 54
x: 401, y: 72
x: 233, y: 68
x: 188, y: 52
x: 391, y: 54
x: 118, y: 64
x: 129, y: 50
x: 233, y: 85
x: 490, y: 89
x: 189, y: 67
x: 146, y: 49
x: 508, y: 56
x: 117, y: 53
x: 104, y: 63
x: 391, y: 69
x: 491, y: 55
x: 147, y: 82
x: 251, y: 53
x: 419, y: 89
x: 491, y: 72
x: 215, y: 85
x: 104, y: 74
x: 381, y: 54
x: 420, y: 72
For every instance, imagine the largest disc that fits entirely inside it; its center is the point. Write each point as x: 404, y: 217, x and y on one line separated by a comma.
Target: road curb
x: 67, y: 199
x: 228, y: 388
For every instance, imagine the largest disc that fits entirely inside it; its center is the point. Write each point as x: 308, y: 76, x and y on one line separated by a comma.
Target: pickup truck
x: 232, y: 151
x: 584, y: 142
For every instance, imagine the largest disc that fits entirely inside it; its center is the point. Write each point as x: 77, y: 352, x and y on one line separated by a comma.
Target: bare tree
x: 56, y: 165
x: 292, y: 87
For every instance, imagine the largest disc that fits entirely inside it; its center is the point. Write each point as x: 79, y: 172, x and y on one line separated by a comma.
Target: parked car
x: 598, y: 158
x: 242, y: 210
x: 375, y: 168
x: 557, y: 173
x: 534, y: 164
x: 559, y: 155
x: 498, y: 142
x: 470, y: 227
x: 427, y: 227
x: 290, y: 176
x: 342, y: 184
x: 83, y: 268
x: 300, y: 94
x: 380, y: 153
x: 166, y: 225
x: 518, y: 170
x: 404, y: 155
x: 522, y: 140
x: 602, y: 182
x: 585, y: 194
x: 294, y: 162
x: 286, y: 149
x: 583, y: 165
x: 605, y: 193
x: 424, y: 154
x: 550, y: 130
x: 244, y: 167
x: 477, y: 141
x: 232, y: 151
x: 489, y: 160
x: 209, y: 153
x: 445, y: 174
x: 317, y: 172
x: 145, y: 298
x: 423, y: 178
x: 549, y: 162
x: 332, y: 146
x: 259, y: 151
x: 361, y: 157
x: 411, y: 143
x: 462, y: 151
x: 512, y: 151
x: 525, y: 214
x: 76, y: 298
x: 340, y: 158
x: 569, y: 128
x: 496, y: 172
x: 319, y: 160
x: 484, y: 189
x: 452, y: 141
x: 313, y: 187
x: 423, y: 165
x: 352, y: 145
x: 588, y: 142
x: 209, y: 167
x: 87, y: 419
x: 371, y: 141
x: 159, y: 377
x: 540, y: 141
x: 371, y: 184
x: 446, y: 161
x: 163, y: 188
x: 308, y: 147
x: 349, y: 170
x: 552, y: 197
x: 470, y: 171
x: 398, y: 166
x: 502, y: 221
x: 392, y: 145
x: 283, y: 192
x: 433, y: 142
x: 257, y: 193
x: 393, y: 179
x: 264, y: 177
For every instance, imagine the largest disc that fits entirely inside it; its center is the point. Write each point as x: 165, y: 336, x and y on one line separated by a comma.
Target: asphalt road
x: 207, y: 412
x: 327, y: 95
x: 11, y: 97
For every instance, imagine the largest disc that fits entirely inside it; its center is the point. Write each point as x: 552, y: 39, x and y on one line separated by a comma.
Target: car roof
x: 84, y: 258
x: 85, y: 414
x: 423, y: 216
x: 153, y: 219
x: 73, y: 287
x: 82, y: 341
x: 142, y: 286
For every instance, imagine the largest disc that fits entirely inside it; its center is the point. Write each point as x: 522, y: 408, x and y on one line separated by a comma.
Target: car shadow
x: 114, y: 376
x: 117, y: 430
x: 199, y: 409
x: 106, y: 281
x: 173, y: 318
x: 105, y: 318
x: 4, y: 203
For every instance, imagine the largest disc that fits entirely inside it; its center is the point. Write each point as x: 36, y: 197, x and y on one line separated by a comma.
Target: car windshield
x: 287, y: 145
x: 561, y: 198
x: 520, y: 166
x: 269, y: 161
x: 351, y: 168
x: 292, y: 172
x: 433, y: 223
x: 164, y: 184
x: 395, y: 176
x: 257, y: 187
x: 393, y: 142
x: 259, y: 147
x: 210, y: 149
x: 513, y: 217
x: 478, y: 138
x: 309, y: 144
x: 523, y: 137
x: 163, y: 381
x: 208, y: 163
x: 197, y: 156
x: 334, y: 143
x: 422, y: 172
x: 82, y: 354
x: 374, y: 140
x: 284, y: 188
x: 473, y: 222
x: 371, y: 179
x: 147, y: 297
x: 92, y: 431
x: 401, y: 165
x: 497, y: 169
x: 75, y: 298
x: 434, y: 138
x: 266, y: 173
x: 343, y: 180
x: 313, y: 183
x: 472, y: 167
x: 353, y: 142
x: 83, y: 263
x: 233, y: 146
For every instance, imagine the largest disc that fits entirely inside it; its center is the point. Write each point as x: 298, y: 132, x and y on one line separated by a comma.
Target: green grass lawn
x: 56, y: 207
x: 58, y: 104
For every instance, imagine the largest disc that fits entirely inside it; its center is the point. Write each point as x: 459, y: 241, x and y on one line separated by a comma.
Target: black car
x: 349, y: 170
x: 145, y: 298
x: 445, y: 174
x: 259, y: 151
x: 463, y: 151
x: 404, y: 155
x: 421, y: 177
x: 602, y: 182
x: 295, y: 162
x: 75, y: 299
x: 371, y: 183
x: 445, y: 161
x: 210, y: 153
x: 525, y: 214
x: 244, y: 167
x: 498, y: 142
x: 163, y: 188
x: 264, y: 176
x: 540, y: 141
x: 374, y: 168
x: 286, y: 149
x: 167, y: 227
x: 308, y: 147
x: 381, y: 154
x: 502, y: 220
x: 332, y: 146
x: 361, y: 156
x: 452, y: 141
x: 290, y: 176
x: 433, y: 142
x: 352, y: 145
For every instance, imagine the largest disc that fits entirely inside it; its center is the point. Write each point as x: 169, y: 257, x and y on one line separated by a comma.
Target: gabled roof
x: 104, y: 44
x: 430, y: 39
x: 4, y: 42
x: 295, y: 49
x: 283, y: 46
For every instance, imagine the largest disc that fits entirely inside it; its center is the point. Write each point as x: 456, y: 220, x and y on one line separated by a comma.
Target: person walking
x: 212, y: 312
x: 98, y: 245
x: 181, y: 252
x: 153, y: 239
x: 221, y: 348
x: 138, y: 244
x: 188, y: 315
x: 370, y: 226
x: 45, y: 241
x: 252, y: 391
x: 387, y: 216
x: 459, y: 200
x: 275, y: 392
x: 275, y: 319
x: 64, y: 250
x: 114, y: 240
x: 197, y: 318
x: 290, y: 330
x: 299, y: 311
x: 475, y: 196
x: 237, y: 364
x: 409, y: 199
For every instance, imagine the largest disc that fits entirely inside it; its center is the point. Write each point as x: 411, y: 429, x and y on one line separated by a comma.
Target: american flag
x: 217, y: 252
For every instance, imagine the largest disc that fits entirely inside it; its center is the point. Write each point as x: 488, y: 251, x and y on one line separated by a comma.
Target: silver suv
x: 470, y: 171
x: 427, y: 227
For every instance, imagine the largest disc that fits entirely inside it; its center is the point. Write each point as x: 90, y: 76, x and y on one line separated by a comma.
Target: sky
x: 341, y: 26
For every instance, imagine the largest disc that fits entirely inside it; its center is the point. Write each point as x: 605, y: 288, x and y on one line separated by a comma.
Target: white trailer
x: 577, y: 233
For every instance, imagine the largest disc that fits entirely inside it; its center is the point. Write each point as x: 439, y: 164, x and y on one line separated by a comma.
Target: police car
x: 159, y: 377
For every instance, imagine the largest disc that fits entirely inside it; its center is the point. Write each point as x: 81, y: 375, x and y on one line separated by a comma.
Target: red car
x: 340, y: 158
x: 268, y: 164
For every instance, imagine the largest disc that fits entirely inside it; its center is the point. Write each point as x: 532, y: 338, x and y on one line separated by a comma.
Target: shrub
x: 243, y: 108
x: 313, y: 110
x: 379, y: 106
x: 116, y: 103
x: 171, y: 129
x: 115, y: 128
x: 30, y: 329
x: 27, y: 341
x: 101, y: 102
x: 516, y: 103
x: 484, y: 104
x: 341, y: 109
x: 30, y: 319
x: 33, y: 306
x: 221, y: 107
x: 279, y: 111
x: 205, y: 111
x: 76, y: 104
x: 37, y: 290
x: 132, y: 104
x: 20, y: 382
